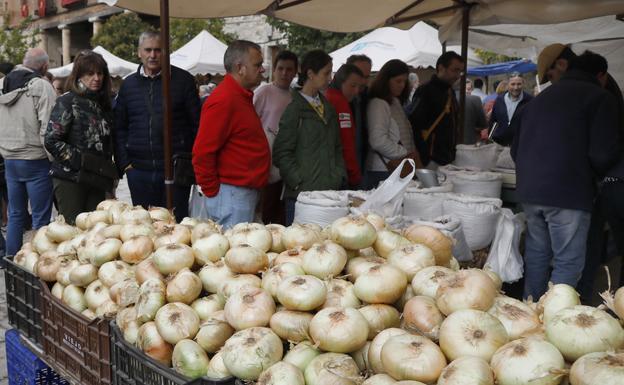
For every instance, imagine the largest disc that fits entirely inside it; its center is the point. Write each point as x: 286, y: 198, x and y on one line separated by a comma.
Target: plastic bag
x: 195, y: 202
x: 504, y: 257
x: 321, y: 207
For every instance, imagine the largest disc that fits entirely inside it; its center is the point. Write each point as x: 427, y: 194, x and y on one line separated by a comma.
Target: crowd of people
x: 254, y: 149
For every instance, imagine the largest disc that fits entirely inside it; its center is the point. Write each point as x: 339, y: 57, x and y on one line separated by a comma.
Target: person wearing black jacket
x: 358, y: 106
x: 139, y: 147
x: 435, y: 118
x: 511, y: 101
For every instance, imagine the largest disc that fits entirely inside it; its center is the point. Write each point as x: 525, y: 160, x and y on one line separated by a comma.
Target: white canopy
x: 418, y: 47
x: 116, y: 65
x: 202, y: 55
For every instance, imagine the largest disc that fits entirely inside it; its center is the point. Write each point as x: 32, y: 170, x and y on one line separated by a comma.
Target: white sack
x: 505, y: 160
x: 321, y: 207
x: 481, y: 157
x: 478, y: 216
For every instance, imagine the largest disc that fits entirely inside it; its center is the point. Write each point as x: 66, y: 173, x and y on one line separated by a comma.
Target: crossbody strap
x: 447, y: 109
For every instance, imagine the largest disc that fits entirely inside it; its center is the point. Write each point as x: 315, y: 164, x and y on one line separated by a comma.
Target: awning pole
x: 462, y: 85
x: 166, y: 83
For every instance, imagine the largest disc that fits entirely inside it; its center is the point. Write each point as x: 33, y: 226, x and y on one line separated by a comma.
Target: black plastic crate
x: 130, y: 366
x: 23, y: 293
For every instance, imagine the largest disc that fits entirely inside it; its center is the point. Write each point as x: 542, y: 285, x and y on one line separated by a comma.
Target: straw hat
x: 546, y: 59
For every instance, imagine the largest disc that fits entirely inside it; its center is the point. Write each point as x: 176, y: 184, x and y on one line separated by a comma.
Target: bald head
x: 36, y: 59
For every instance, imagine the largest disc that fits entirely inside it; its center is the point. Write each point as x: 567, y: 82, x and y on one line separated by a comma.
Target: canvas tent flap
x: 116, y: 65
x: 202, y: 55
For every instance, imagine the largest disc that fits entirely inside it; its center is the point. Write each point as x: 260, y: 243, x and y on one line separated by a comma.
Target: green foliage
x: 120, y: 35
x: 303, y: 39
x: 15, y: 41
x: 183, y: 30
x: 491, y: 57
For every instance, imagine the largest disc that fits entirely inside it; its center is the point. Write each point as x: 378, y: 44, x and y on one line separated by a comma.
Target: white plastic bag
x: 452, y: 227
x: 321, y: 207
x: 477, y: 183
x: 195, y: 202
x: 478, y: 216
x: 387, y: 199
x: 481, y: 157
x: 504, y: 257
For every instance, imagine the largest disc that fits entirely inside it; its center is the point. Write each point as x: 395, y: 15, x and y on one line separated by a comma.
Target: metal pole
x: 166, y: 86
x: 462, y: 85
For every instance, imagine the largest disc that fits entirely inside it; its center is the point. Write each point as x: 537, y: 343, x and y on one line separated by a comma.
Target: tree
x: 120, y: 35
x: 183, y: 30
x: 492, y: 57
x: 15, y: 41
x: 303, y: 39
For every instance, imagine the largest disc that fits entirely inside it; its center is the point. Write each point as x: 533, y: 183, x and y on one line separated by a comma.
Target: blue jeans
x: 289, y: 204
x: 27, y: 180
x: 232, y: 205
x: 147, y: 188
x: 554, y: 236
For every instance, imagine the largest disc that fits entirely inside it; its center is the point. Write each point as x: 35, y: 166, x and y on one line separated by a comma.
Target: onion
x: 111, y: 231
x: 324, y: 260
x: 440, y: 244
x: 282, y: 373
x: 97, y: 216
x: 427, y: 280
x: 151, y: 298
x: 615, y: 302
x: 160, y: 214
x: 602, y: 368
x: 216, y: 368
x: 498, y: 282
x: 88, y: 314
x: 125, y: 316
x: 125, y: 293
x: 172, y: 258
x: 580, y: 330
x: 411, y: 259
x: 246, y: 259
x: 381, y: 284
x: 236, y: 283
x: 136, y: 249
x: 301, y: 292
x: 213, y: 275
x: 411, y: 357
x: 249, y: 307
x: 276, y: 234
x: 466, y: 289
x: 27, y: 259
x: 59, y: 231
x: 252, y: 234
x: 291, y: 325
x: 107, y: 309
x: 558, y: 297
x: 47, y: 266
x: 353, y: 233
x: 340, y: 293
x: 206, y: 306
x: 57, y: 290
x: 113, y: 272
x: 379, y: 379
x: 380, y: 317
x: 145, y: 270
x: 190, y: 222
x: 81, y: 221
x: 300, y: 235
x: 249, y: 352
x: 275, y: 275
x: 151, y: 343
x: 339, y: 330
x: 185, y: 286
x: 64, y: 248
x: 214, y: 332
x: 301, y: 354
x: 116, y: 210
x: 41, y: 243
x: 334, y: 369
x: 210, y: 248
x: 421, y: 315
x: 172, y: 234
x: 135, y: 215
x: 73, y: 296
x: 189, y: 359
x: 96, y: 295
x: 387, y: 240
x: 130, y: 231
x: 67, y: 265
x: 360, y: 265
x: 471, y: 333
x: 407, y: 295
x: 467, y: 370
x: 517, y: 318
x: 374, y: 352
x: 291, y: 255
x: 528, y: 361
x: 105, y: 251
x: 376, y: 220
x: 176, y: 321
x: 360, y: 357
x: 202, y: 230
x: 107, y: 204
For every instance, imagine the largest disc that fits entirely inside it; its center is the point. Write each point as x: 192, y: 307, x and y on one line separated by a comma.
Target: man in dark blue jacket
x: 505, y: 108
x: 565, y: 138
x: 139, y: 149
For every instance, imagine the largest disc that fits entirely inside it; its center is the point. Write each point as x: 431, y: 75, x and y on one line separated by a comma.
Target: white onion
x: 440, y: 244
x: 301, y: 354
x: 136, y: 249
x: 407, y: 295
x: 151, y: 298
x: 184, y: 287
x: 88, y: 314
x: 387, y: 240
x: 380, y: 379
x: 105, y: 251
x: 300, y: 235
x: 62, y: 275
x: 59, y: 231
x: 411, y: 357
x: 427, y: 280
x: 518, y: 318
x: 146, y: 269
x: 95, y: 217
x: 202, y: 230
x: 422, y: 316
x: 248, y: 307
x: 206, y: 306
x: 334, y: 369
x: 301, y: 292
x: 528, y: 361
x: 291, y: 255
x: 360, y: 357
x: 282, y: 373
x: 216, y: 368
x: 214, y: 332
x: 63, y: 248
x: 360, y: 265
x: 210, y: 248
x: 27, y: 259
x: 353, y: 233
x: 213, y: 275
x: 232, y: 285
x: 498, y: 282
x: 152, y: 344
x: 340, y: 293
x: 81, y: 221
x: 374, y: 352
x: 130, y: 231
x: 113, y: 272
x: 107, y: 309
x: 249, y: 352
x: 41, y: 243
x: 339, y: 330
x: 48, y: 265
x: 376, y: 220
x: 275, y: 275
x: 411, y: 259
x: 172, y: 258
x: 379, y: 317
x: 252, y: 234
x: 466, y: 289
x: 602, y: 368
x: 83, y: 274
x: 580, y: 330
x: 324, y: 260
x: 471, y: 333
x: 558, y: 297
x: 246, y: 259
x: 57, y: 290
x: 381, y: 284
x: 135, y: 215
x: 160, y: 214
x: 169, y: 234
x: 176, y: 321
x: 111, y: 231
x: 125, y: 293
x: 127, y: 322
x: 467, y: 370
x: 189, y: 359
x: 73, y: 296
x: 276, y: 233
x: 291, y: 325
x: 96, y: 294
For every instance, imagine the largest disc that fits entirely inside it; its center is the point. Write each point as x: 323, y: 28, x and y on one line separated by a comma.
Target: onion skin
x: 519, y: 319
x: 211, y: 248
x: 427, y: 281
x: 324, y: 260
x: 163, y: 258
x: 217, y: 369
x: 275, y: 275
x: 339, y: 330
x: 411, y: 357
x: 440, y: 244
x: 340, y: 293
x: 282, y: 373
x: 302, y: 292
x: 466, y: 289
x: 467, y: 370
x: 249, y: 307
x: 245, y: 259
x: 558, y: 297
x: 249, y: 352
x: 136, y: 249
x: 301, y: 354
x: 332, y: 368
x: 145, y: 270
x: 380, y: 317
x: 374, y: 352
x: 213, y: 275
x: 380, y: 379
x: 353, y: 233
x: 184, y: 287
x: 602, y: 368
x: 189, y: 359
x: 151, y: 299
x: 214, y: 332
x: 170, y: 329
x: 299, y: 235
x: 291, y: 325
x: 422, y: 316
x: 412, y: 258
x: 276, y: 233
x: 152, y: 344
x: 387, y: 241
x: 381, y: 284
x: 206, y: 306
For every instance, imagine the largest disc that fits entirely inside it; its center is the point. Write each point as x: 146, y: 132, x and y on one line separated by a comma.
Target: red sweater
x: 230, y: 146
x: 347, y: 134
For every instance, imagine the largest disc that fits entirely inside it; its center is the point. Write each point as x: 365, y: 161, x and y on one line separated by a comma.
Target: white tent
x: 202, y: 55
x: 116, y: 65
x: 418, y: 47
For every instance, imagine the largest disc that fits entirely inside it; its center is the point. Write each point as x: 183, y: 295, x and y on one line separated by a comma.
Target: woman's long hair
x: 88, y: 61
x: 381, y: 85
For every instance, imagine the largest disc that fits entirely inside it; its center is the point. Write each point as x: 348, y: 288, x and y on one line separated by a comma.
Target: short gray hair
x: 236, y: 52
x: 35, y: 58
x: 148, y: 35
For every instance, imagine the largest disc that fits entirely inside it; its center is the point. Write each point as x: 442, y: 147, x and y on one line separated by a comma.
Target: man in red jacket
x: 231, y: 155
